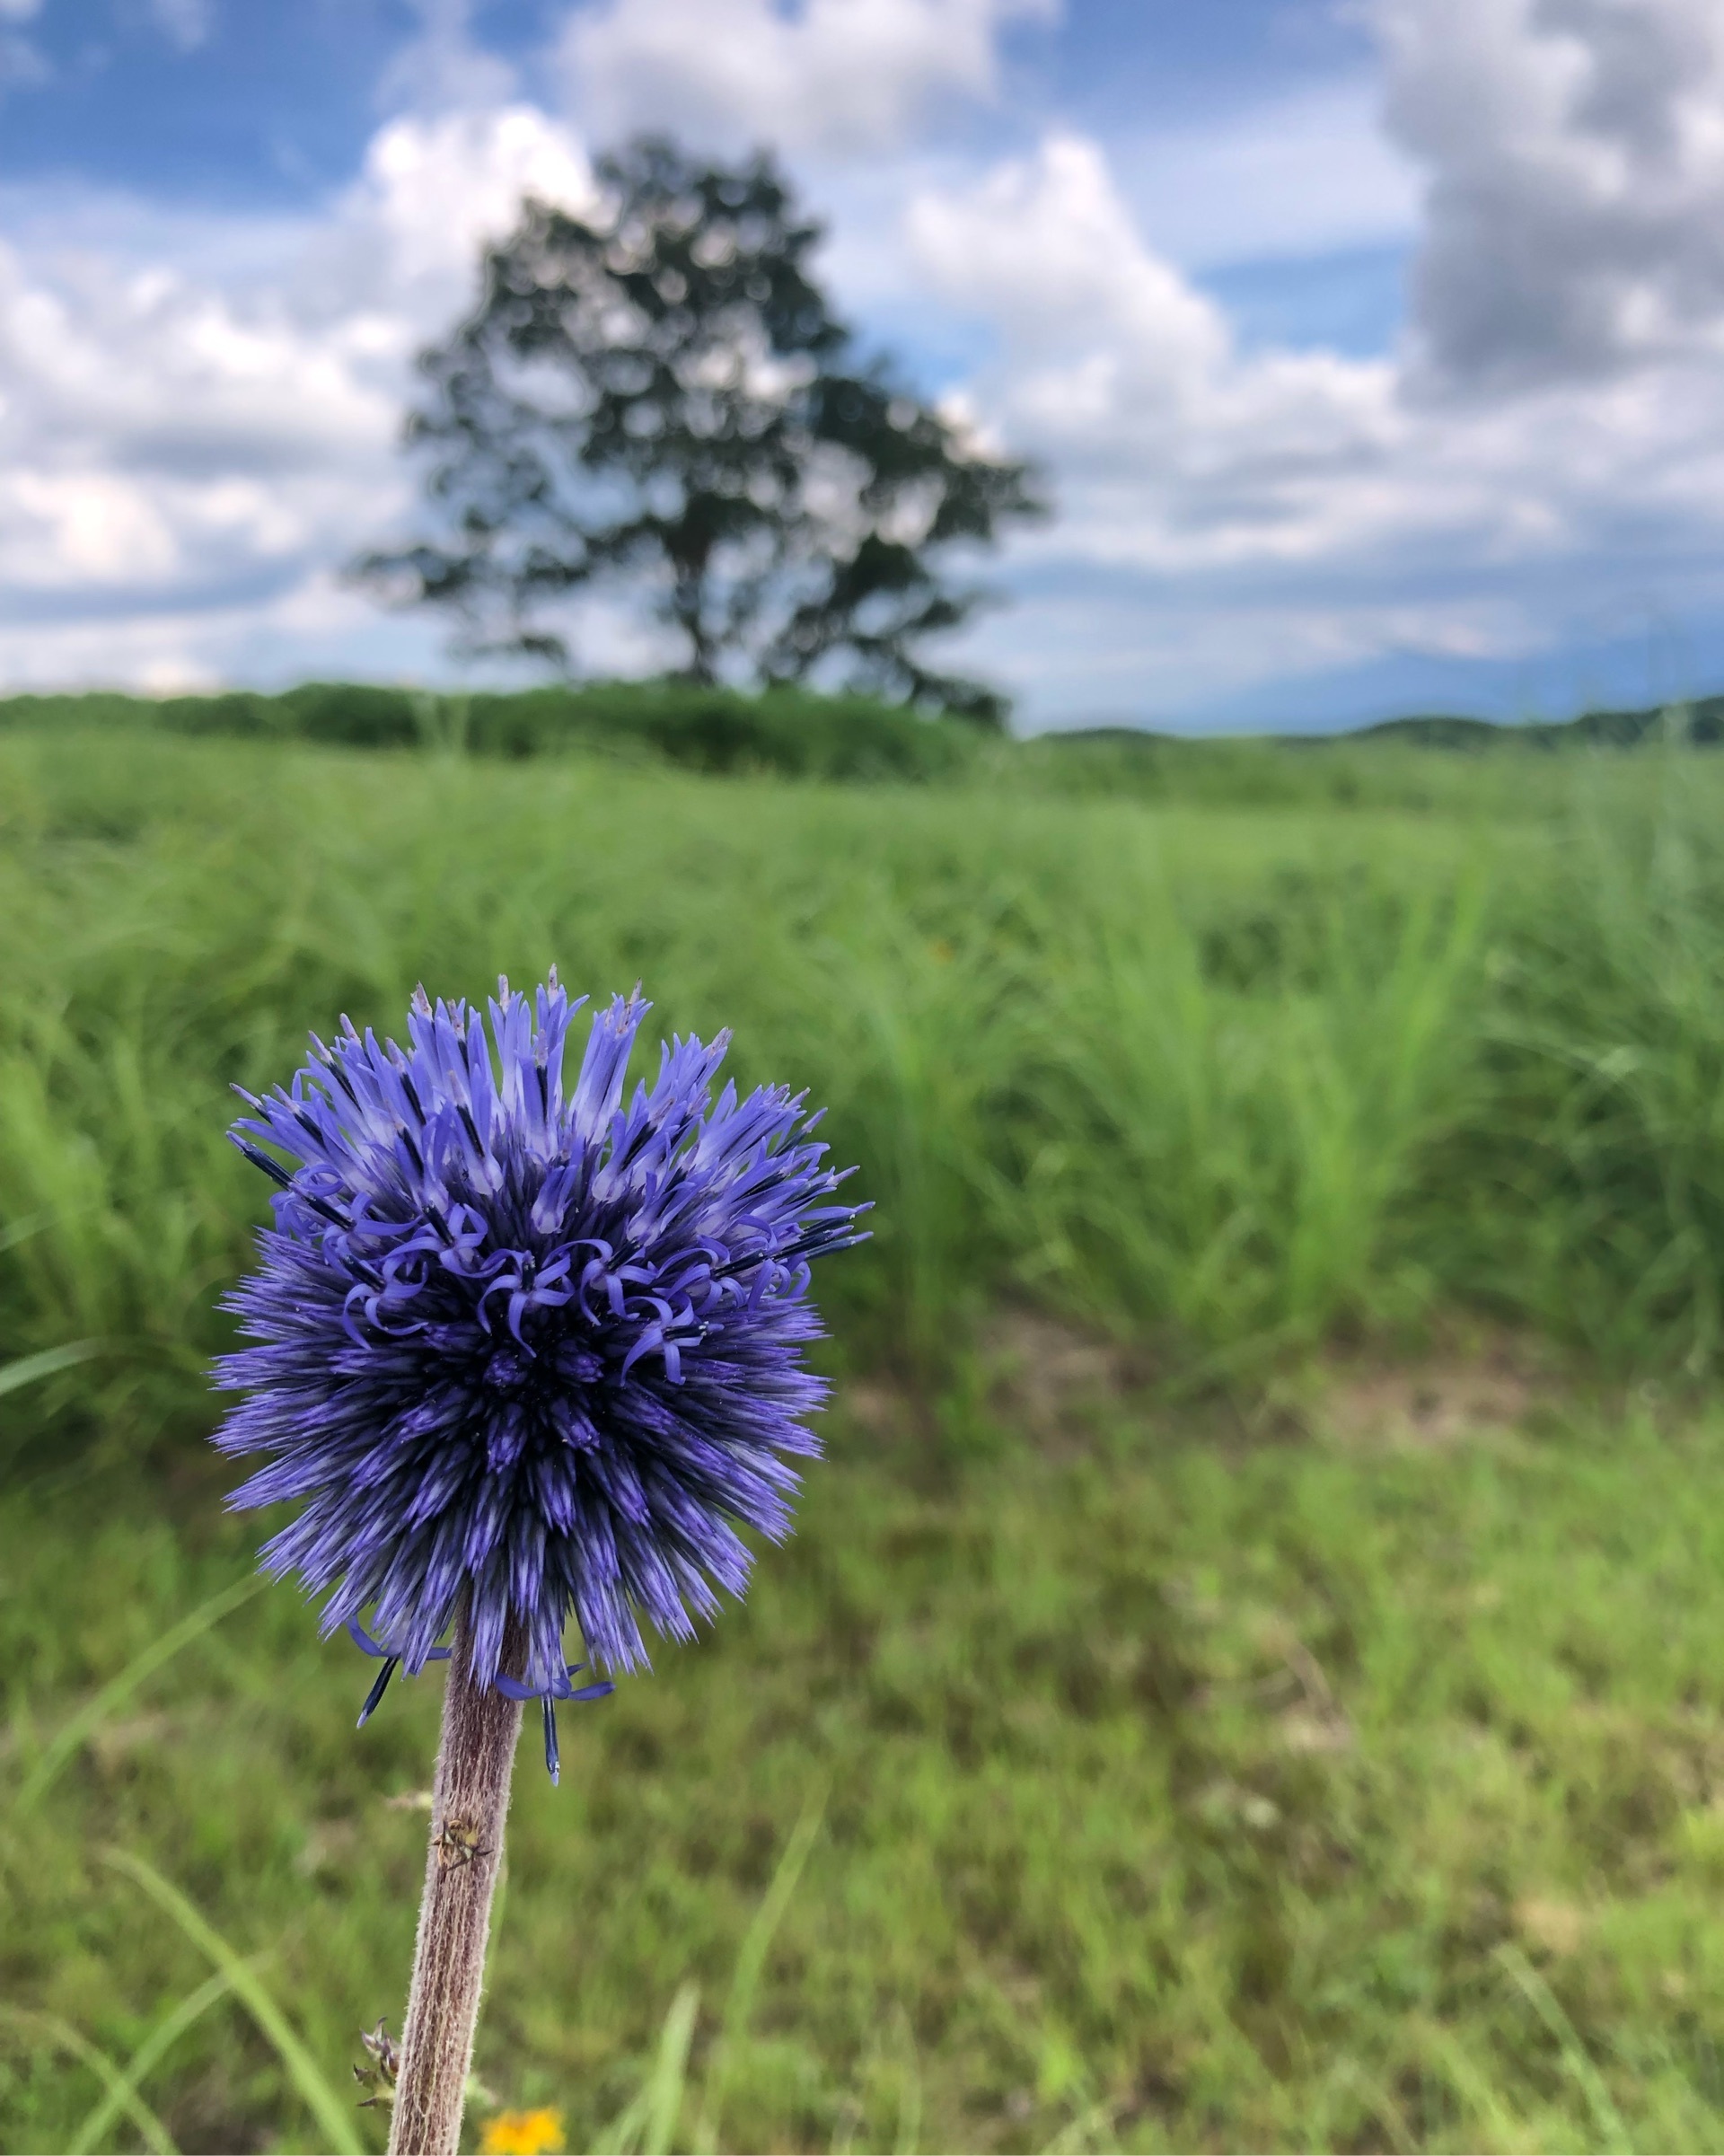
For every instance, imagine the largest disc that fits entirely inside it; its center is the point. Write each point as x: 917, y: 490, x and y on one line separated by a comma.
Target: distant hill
x: 803, y: 734
x: 1701, y: 722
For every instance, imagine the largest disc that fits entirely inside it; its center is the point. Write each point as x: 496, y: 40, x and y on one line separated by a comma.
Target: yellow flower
x: 523, y: 2134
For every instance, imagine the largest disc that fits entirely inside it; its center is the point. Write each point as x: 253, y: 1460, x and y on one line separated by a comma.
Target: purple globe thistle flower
x: 536, y: 1352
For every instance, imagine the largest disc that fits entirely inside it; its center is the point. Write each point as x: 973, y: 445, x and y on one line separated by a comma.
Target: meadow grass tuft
x: 1203, y: 1765
x: 1232, y: 1078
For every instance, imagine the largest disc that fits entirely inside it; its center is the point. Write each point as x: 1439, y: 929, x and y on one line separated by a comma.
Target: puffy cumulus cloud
x: 1232, y: 517
x: 430, y: 191
x: 184, y: 458
x: 155, y: 432
x: 90, y: 525
x: 1575, y: 216
x: 834, y: 77
x: 1543, y: 455
x: 1045, y: 244
x: 1165, y: 445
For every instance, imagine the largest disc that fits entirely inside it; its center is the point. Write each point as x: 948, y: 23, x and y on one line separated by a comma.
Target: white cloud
x: 179, y: 449
x: 1043, y: 244
x: 88, y: 526
x: 1245, y: 517
x: 1576, y: 148
x: 1171, y: 449
x: 835, y: 77
x: 432, y: 190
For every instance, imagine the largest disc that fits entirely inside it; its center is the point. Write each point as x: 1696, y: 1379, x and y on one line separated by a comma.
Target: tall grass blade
x: 67, y: 2039
x: 669, y: 2073
x: 30, y: 1370
x: 644, y: 2127
x: 119, y: 1689
x: 750, y: 1960
x: 332, y: 2116
x: 21, y: 1231
x: 625, y: 2128
x: 1606, y: 2118
x: 154, y: 2047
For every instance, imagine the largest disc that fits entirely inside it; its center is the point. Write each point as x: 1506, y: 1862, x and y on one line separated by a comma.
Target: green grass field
x: 1248, y: 1672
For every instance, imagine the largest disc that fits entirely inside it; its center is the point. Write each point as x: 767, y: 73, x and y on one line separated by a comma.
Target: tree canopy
x: 660, y: 392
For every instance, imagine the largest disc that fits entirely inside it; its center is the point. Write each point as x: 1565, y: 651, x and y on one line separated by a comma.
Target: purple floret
x: 546, y: 1351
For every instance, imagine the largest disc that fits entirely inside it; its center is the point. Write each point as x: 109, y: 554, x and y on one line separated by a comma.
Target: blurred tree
x: 664, y: 391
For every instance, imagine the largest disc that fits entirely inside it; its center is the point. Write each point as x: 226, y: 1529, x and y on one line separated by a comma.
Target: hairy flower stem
x: 470, y: 1802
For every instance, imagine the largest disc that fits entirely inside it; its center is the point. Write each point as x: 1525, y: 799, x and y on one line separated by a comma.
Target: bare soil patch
x: 1050, y: 1379
x: 1058, y: 1385
x: 1457, y: 1390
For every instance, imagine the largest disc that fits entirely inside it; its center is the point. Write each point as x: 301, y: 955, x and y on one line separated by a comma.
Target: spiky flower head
x: 542, y: 1352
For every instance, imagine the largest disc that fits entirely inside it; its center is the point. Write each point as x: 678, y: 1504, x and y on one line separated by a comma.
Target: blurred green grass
x: 1197, y: 1777
x: 1181, y: 1796
x: 1225, y: 1077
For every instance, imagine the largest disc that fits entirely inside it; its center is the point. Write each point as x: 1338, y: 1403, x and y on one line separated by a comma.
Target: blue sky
x: 265, y: 103
x: 1376, y: 350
